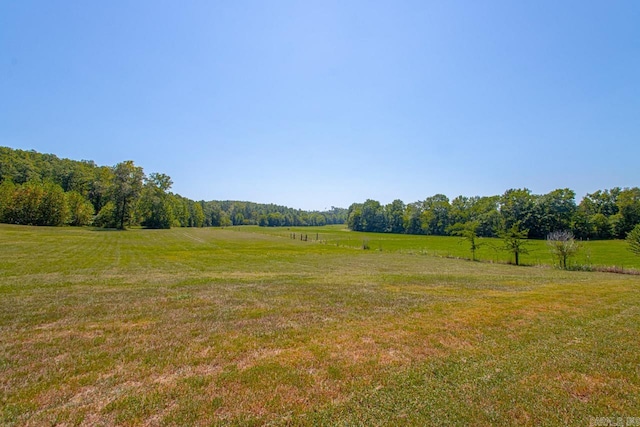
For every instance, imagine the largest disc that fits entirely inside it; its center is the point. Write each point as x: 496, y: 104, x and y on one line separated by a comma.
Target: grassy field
x: 597, y: 253
x: 247, y: 326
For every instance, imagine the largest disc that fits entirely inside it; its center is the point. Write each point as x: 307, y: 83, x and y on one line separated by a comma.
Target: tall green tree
x: 461, y: 210
x: 373, y: 219
x: 155, y: 207
x: 196, y: 214
x: 515, y: 241
x: 628, y: 203
x: 7, y: 191
x: 53, y: 210
x: 601, y: 226
x: 354, y: 217
x: 435, y: 215
x: 601, y: 202
x: 516, y: 206
x: 36, y: 203
x: 127, y: 185
x: 275, y: 219
x: 238, y: 218
x: 394, y: 212
x: 80, y: 209
x: 100, y: 187
x: 582, y: 225
x: 553, y: 211
x: 25, y: 208
x: 485, y: 211
x: 469, y: 233
x: 412, y: 218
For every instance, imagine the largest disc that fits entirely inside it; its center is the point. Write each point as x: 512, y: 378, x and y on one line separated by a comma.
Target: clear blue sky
x: 311, y: 104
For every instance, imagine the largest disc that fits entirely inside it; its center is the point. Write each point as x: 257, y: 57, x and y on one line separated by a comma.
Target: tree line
x: 604, y: 214
x: 42, y: 189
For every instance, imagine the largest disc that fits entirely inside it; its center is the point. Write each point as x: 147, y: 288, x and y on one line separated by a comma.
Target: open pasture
x: 247, y: 326
x: 596, y: 253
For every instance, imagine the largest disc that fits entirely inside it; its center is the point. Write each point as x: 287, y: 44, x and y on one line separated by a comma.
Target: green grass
x: 597, y: 253
x: 246, y: 326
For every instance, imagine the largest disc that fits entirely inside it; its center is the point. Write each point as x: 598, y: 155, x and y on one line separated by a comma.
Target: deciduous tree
x: 469, y: 232
x: 127, y: 185
x: 553, y: 211
x: 154, y: 206
x: 515, y: 241
x: 435, y: 215
x: 394, y: 212
x: 80, y: 209
x: 516, y: 206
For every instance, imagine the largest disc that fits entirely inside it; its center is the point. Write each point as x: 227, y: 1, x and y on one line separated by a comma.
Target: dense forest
x: 42, y: 189
x: 604, y: 214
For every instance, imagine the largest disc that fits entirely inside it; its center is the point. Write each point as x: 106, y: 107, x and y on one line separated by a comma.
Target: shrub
x: 563, y: 246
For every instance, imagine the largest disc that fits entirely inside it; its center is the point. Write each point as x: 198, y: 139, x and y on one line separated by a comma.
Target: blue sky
x: 313, y: 104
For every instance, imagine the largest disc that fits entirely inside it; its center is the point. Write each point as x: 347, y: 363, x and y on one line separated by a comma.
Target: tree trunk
x: 124, y: 205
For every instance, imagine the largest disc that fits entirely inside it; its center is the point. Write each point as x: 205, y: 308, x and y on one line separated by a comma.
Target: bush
x: 106, y: 218
x: 80, y: 209
x: 563, y: 246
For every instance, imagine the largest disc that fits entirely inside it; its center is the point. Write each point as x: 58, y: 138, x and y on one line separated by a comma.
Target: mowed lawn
x: 243, y: 327
x: 592, y: 254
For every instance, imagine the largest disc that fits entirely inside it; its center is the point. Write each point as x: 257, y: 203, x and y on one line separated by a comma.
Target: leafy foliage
x: 41, y: 189
x: 80, y: 209
x: 32, y: 185
x: 106, y: 218
x: 469, y: 232
x: 601, y: 215
x: 633, y: 238
x: 127, y: 185
x: 515, y: 241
